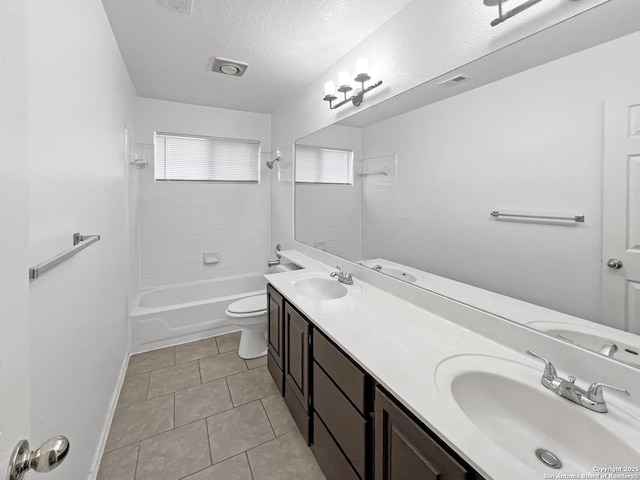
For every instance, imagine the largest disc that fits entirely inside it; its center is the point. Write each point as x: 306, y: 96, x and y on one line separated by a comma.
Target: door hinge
x: 309, y: 337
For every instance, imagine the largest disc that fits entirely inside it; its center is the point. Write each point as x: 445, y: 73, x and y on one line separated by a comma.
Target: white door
x: 14, y: 286
x: 621, y: 222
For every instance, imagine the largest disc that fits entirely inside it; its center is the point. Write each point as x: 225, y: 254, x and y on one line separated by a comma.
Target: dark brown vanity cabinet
x: 356, y: 430
x: 405, y: 450
x: 297, y: 334
x: 275, y: 336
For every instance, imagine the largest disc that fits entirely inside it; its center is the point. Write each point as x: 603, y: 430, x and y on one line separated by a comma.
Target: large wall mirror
x: 407, y: 188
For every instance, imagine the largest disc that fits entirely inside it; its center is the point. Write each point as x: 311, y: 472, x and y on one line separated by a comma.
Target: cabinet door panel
x: 298, y: 333
x: 404, y: 451
x: 275, y: 332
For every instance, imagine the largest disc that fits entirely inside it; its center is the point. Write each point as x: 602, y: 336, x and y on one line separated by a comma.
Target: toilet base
x: 253, y: 343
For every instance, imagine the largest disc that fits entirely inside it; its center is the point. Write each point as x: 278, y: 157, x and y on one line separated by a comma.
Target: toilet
x: 250, y: 314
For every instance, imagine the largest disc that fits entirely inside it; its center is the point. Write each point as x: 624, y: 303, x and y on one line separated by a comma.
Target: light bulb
x: 344, y: 78
x: 329, y: 88
x: 362, y: 66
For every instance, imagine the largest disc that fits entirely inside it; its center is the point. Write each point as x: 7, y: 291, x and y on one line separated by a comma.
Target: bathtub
x: 181, y: 313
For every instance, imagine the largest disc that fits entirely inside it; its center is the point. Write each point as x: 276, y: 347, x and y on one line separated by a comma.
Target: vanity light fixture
x: 502, y: 16
x: 362, y: 66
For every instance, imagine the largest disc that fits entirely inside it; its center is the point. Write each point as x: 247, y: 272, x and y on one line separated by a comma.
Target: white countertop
x: 401, y: 346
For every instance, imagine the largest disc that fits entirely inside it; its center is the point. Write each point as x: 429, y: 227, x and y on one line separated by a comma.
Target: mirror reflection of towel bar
x: 575, y: 218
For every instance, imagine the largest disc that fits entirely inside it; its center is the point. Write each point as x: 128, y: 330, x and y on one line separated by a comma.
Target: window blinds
x: 323, y: 165
x: 206, y: 159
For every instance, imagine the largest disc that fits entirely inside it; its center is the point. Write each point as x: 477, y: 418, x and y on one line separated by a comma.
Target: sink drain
x: 548, y: 458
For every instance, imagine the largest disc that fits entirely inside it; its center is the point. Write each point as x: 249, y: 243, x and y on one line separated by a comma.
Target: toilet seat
x: 248, y: 307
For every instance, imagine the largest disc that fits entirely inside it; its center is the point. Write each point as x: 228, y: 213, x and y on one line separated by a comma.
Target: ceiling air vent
x: 229, y: 67
x: 450, y: 82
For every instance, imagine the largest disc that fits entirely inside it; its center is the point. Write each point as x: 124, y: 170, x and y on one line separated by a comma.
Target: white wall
x: 80, y: 101
x: 330, y: 214
x: 14, y: 288
x: 181, y: 221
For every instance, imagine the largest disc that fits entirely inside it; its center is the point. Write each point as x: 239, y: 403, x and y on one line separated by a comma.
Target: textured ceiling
x: 287, y: 44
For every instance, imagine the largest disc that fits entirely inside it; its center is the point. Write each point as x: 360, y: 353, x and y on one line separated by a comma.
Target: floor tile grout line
x: 246, y: 455
x: 135, y: 471
x: 206, y: 424
x: 160, y: 433
x: 268, y: 419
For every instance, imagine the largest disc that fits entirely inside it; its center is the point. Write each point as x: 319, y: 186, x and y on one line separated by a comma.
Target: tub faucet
x: 591, y: 398
x: 273, y: 263
x: 376, y: 268
x: 347, y: 279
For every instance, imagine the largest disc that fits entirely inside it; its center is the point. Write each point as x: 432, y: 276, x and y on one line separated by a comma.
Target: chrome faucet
x: 608, y: 349
x: 377, y: 268
x: 591, y: 398
x: 347, y: 279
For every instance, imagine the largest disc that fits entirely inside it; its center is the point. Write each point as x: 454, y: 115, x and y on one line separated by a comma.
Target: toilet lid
x: 254, y: 304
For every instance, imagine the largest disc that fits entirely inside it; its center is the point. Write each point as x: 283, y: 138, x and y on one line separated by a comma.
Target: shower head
x: 270, y: 163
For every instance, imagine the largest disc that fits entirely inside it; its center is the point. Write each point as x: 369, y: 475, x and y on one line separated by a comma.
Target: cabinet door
x: 275, y: 332
x: 298, y: 367
x: 405, y: 451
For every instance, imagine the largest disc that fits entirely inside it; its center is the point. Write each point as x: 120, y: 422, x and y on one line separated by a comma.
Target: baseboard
x: 93, y: 474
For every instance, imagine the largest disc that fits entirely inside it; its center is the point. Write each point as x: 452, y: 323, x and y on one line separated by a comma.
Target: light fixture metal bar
x: 357, y: 96
x: 513, y: 12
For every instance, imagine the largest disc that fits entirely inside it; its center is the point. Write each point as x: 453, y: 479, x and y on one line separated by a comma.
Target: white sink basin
x: 320, y: 288
x: 402, y: 275
x: 505, y: 401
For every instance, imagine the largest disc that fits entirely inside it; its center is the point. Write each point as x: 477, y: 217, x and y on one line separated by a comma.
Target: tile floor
x: 200, y: 412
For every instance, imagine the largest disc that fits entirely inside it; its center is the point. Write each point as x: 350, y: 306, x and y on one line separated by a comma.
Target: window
x: 205, y: 159
x: 323, y: 165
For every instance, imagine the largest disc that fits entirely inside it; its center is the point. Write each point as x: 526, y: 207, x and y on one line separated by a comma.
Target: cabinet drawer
x: 332, y: 461
x: 345, y: 374
x: 344, y: 422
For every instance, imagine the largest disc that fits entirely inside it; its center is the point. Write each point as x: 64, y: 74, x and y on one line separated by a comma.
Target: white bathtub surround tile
x: 180, y: 222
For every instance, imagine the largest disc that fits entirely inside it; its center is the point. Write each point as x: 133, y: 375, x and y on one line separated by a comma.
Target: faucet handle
x: 594, y: 392
x: 550, y: 372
